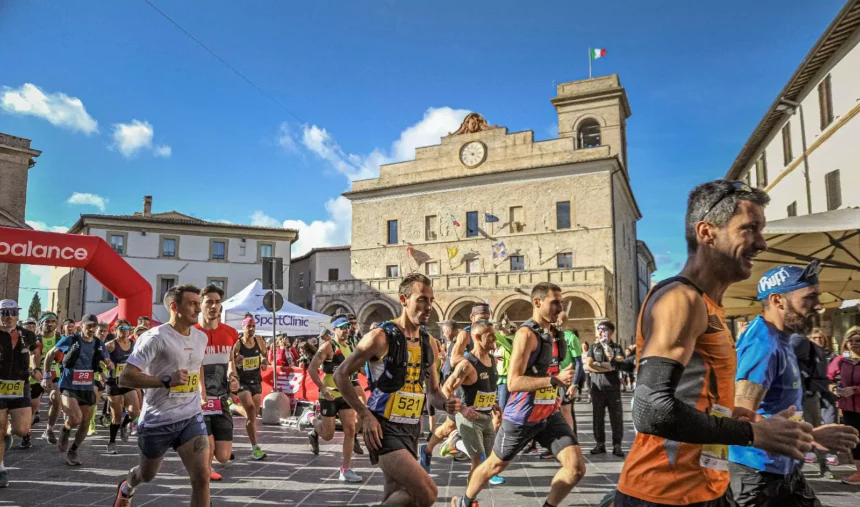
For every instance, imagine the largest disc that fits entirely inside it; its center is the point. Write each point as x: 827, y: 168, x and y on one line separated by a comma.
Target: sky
x: 124, y: 104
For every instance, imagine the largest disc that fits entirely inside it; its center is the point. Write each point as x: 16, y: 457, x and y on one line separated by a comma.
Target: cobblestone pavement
x: 291, y: 475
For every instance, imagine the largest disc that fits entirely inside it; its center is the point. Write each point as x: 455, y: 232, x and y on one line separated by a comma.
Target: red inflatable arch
x: 133, y: 292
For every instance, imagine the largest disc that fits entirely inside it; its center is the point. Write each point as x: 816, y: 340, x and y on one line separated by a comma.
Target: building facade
x: 804, y: 152
x: 170, y: 249
x: 327, y: 264
x: 645, y: 268
x: 559, y: 211
x: 16, y: 160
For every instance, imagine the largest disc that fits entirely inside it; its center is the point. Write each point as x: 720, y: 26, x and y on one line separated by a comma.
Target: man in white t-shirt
x: 167, y: 363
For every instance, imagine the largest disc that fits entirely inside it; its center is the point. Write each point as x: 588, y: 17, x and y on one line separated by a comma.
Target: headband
x: 247, y: 320
x: 46, y: 316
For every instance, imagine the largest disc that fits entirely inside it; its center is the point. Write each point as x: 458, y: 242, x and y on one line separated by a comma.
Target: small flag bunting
x: 490, y: 218
x: 500, y: 252
x: 454, y: 220
x: 452, y: 252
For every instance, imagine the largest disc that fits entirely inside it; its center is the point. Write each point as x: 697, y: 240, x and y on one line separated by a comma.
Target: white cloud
x: 58, y: 108
x: 436, y: 123
x: 286, y: 138
x: 42, y: 274
x: 333, y: 231
x: 42, y: 226
x: 162, y: 150
x: 88, y: 200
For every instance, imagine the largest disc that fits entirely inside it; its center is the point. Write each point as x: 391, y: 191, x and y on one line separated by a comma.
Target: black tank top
x: 482, y: 394
x: 120, y: 357
x: 249, y: 369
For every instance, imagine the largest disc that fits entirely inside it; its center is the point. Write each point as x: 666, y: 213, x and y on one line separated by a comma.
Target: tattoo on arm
x: 749, y: 395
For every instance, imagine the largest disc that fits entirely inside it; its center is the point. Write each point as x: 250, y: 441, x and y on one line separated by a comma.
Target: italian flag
x: 597, y: 53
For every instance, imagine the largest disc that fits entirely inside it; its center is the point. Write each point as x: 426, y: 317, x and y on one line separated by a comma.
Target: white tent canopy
x: 833, y: 237
x: 290, y: 319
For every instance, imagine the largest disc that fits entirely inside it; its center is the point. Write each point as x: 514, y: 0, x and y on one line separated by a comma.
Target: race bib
x: 187, y: 389
x: 798, y: 416
x: 118, y: 370
x: 11, y: 388
x: 484, y: 401
x: 716, y: 456
x: 212, y: 407
x: 406, y: 407
x: 251, y: 363
x: 82, y: 378
x: 546, y: 396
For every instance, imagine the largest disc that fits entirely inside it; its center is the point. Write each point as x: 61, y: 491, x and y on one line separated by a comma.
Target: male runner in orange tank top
x: 684, y: 399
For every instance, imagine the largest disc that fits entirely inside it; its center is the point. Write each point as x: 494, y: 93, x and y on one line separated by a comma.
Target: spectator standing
x: 604, y: 361
x: 847, y: 368
x: 584, y: 380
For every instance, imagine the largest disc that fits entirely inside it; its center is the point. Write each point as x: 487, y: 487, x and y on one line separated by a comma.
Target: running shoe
x: 832, y: 460
x: 424, y: 457
x: 4, y: 480
x: 827, y: 474
x: 457, y: 501
x: 496, y: 480
x: 36, y: 419
x: 123, y: 433
x: 214, y: 476
x: 347, y: 475
x: 449, y: 447
x: 121, y: 500
x: 8, y: 440
x: 853, y: 479
x: 72, y: 458
x: 63, y: 443
x: 314, y: 440
x: 809, y: 458
x: 258, y: 453
x: 48, y: 435
x: 547, y: 454
x: 26, y: 441
x: 356, y: 446
x: 111, y: 448
x: 93, y: 430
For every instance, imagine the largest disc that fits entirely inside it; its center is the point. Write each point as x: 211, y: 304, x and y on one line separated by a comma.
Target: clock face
x: 473, y: 154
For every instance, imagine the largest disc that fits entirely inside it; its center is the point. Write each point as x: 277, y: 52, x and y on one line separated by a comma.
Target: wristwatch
x: 166, y: 381
x: 555, y: 382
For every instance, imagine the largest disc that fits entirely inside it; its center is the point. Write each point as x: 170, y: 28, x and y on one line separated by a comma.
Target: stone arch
x: 432, y: 325
x: 455, y: 309
x: 337, y: 306
x: 589, y: 116
x: 377, y: 310
x: 513, y: 302
x: 584, y: 313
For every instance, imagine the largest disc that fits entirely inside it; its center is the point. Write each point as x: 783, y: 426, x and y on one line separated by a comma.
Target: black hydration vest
x: 487, y: 384
x: 543, y: 359
x: 70, y: 359
x: 395, y: 362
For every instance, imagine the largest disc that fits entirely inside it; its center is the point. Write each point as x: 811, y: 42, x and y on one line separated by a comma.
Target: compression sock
x: 125, y: 421
x: 73, y: 448
x: 2, y: 466
x: 114, y: 429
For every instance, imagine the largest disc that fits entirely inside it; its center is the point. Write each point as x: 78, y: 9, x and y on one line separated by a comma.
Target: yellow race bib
x: 716, y: 456
x: 484, y: 401
x: 11, y: 388
x: 118, y: 370
x: 546, y: 396
x: 405, y: 408
x: 251, y: 363
x: 187, y: 389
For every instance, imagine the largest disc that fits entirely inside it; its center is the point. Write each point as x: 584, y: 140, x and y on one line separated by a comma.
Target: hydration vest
x: 539, y: 366
x: 394, y: 364
x: 70, y: 359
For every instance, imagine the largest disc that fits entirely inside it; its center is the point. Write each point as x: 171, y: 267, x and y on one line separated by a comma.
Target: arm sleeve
x: 656, y: 410
x: 580, y: 371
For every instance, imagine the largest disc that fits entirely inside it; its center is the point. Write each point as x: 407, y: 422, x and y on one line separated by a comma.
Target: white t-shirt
x: 162, y: 351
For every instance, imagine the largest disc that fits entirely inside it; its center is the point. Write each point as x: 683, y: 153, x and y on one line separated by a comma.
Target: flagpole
x: 589, y: 63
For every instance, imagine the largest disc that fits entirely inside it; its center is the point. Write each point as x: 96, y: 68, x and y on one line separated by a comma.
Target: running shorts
x: 155, y: 441
x: 396, y: 437
x: 331, y: 408
x: 478, y: 436
x: 254, y: 388
x: 36, y: 390
x: 562, y: 393
x: 113, y: 389
x: 84, y: 398
x: 622, y: 500
x: 16, y: 403
x: 220, y: 426
x: 753, y: 488
x: 554, y: 434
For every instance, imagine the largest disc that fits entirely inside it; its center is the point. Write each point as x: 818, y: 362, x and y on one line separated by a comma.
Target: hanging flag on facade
x: 454, y: 220
x: 452, y: 252
x: 490, y: 218
x: 408, y: 250
x: 499, y: 251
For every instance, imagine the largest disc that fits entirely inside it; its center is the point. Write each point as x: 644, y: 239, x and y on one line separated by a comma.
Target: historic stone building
x: 16, y: 159
x: 560, y: 210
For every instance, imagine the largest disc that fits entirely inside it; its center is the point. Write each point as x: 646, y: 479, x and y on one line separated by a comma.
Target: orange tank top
x: 674, y: 473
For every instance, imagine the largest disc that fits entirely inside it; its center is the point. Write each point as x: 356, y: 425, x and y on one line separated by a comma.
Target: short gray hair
x: 722, y: 199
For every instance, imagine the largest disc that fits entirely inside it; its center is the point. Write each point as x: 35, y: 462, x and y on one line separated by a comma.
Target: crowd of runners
x: 720, y: 422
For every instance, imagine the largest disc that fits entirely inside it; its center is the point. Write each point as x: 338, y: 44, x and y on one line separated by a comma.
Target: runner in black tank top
x: 120, y: 398
x: 250, y: 356
x: 476, y: 377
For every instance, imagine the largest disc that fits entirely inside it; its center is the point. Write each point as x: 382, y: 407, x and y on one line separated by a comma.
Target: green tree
x: 35, y: 307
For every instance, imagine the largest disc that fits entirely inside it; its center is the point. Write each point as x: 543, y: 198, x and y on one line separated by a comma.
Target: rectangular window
x: 791, y: 210
x: 787, y: 157
x: 516, y: 218
x: 242, y: 249
x: 107, y: 296
x: 747, y: 178
x: 218, y: 249
x: 473, y: 266
x: 221, y: 283
x: 431, y: 225
x: 168, y: 247
x: 471, y: 224
x: 332, y: 275
x: 761, y: 171
x: 825, y: 102
x: 164, y: 285
x: 833, y: 186
x: 432, y: 268
x: 392, y: 271
x: 564, y: 260
x: 562, y: 215
x: 392, y: 232
x: 117, y: 242
x: 266, y: 250
x: 301, y: 280
x: 517, y: 263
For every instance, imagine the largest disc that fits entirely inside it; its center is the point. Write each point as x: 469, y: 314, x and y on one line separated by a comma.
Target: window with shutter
x: 825, y: 102
x: 761, y: 171
x: 786, y: 144
x: 833, y: 186
x: 791, y: 210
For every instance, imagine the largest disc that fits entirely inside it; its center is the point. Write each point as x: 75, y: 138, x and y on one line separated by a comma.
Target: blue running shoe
x: 424, y: 457
x: 496, y: 480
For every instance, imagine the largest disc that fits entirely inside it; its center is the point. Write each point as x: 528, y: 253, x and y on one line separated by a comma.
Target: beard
x: 729, y: 268
x: 796, y: 322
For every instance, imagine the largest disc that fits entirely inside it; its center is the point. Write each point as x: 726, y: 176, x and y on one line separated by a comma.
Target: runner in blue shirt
x: 768, y: 382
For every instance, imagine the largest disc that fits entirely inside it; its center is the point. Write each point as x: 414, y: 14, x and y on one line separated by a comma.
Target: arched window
x: 588, y: 135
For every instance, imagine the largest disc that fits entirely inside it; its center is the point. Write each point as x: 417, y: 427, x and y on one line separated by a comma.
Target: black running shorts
x: 113, y: 389
x: 254, y: 388
x: 220, y: 426
x: 84, y: 398
x: 331, y: 408
x: 395, y: 437
x: 36, y: 390
x: 554, y: 434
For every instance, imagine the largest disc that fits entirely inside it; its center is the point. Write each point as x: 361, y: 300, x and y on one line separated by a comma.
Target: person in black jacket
x: 605, y: 360
x: 812, y: 362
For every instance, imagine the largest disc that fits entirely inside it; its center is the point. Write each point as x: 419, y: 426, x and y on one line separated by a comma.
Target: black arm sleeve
x: 580, y: 371
x: 656, y: 410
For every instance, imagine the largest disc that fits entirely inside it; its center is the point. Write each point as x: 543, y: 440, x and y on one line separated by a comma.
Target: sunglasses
x: 9, y: 312
x: 125, y: 328
x: 737, y: 187
x: 602, y: 328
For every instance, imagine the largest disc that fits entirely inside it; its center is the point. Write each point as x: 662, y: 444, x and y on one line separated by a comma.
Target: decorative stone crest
x: 473, y: 122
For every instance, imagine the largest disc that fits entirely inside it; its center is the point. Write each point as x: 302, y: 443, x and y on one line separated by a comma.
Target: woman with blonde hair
x: 846, y: 367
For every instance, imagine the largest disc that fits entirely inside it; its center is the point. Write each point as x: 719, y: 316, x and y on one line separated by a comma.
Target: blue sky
x: 123, y: 104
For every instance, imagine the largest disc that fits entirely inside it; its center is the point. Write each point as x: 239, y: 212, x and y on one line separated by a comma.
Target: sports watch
x: 166, y: 381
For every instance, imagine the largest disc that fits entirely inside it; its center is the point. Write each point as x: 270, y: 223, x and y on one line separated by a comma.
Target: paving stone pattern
x: 291, y: 475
